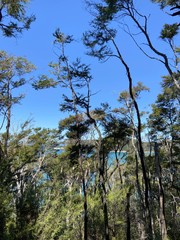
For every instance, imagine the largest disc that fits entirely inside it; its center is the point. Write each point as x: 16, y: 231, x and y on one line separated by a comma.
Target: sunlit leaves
x: 44, y: 82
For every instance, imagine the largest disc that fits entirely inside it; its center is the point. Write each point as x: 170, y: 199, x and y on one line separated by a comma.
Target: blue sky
x: 109, y: 78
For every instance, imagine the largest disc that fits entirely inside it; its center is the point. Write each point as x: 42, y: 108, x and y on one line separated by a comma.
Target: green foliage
x: 164, y: 3
x: 13, y: 18
x: 165, y: 111
x: 169, y: 31
x: 13, y: 71
x: 44, y: 82
x: 22, y: 173
x: 59, y: 184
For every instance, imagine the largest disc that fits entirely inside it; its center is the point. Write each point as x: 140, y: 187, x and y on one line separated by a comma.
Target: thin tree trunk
x: 142, y: 231
x: 74, y: 98
x: 142, y: 212
x: 8, y: 122
x: 119, y: 167
x: 128, y: 221
x: 164, y: 59
x: 162, y: 220
x: 103, y: 197
x: 140, y: 145
x: 85, y: 210
x: 101, y: 164
x: 105, y: 212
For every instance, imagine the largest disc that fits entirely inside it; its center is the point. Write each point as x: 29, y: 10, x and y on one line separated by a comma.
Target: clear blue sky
x: 109, y: 78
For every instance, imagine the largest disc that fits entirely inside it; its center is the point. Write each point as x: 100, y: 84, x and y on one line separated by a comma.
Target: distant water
x: 120, y: 155
x: 111, y: 156
x: 111, y: 160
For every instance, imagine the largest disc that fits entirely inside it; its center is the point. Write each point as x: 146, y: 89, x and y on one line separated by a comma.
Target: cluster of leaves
x: 13, y: 17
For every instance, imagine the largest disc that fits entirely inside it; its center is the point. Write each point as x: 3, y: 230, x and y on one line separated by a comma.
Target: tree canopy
x: 106, y: 172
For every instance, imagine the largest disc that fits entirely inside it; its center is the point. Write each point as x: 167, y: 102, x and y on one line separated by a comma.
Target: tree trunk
x: 140, y: 144
x: 142, y: 231
x: 128, y: 222
x: 162, y: 220
x: 8, y: 123
x: 105, y: 212
x: 85, y: 210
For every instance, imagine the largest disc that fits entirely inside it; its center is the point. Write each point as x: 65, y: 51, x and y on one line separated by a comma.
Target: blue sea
x: 120, y: 155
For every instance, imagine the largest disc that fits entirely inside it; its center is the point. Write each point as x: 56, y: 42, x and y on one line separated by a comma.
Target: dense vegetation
x: 64, y: 183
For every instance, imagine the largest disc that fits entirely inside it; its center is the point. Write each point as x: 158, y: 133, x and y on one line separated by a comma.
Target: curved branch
x: 163, y: 55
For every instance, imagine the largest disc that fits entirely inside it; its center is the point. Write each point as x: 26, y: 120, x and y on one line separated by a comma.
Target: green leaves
x: 14, y: 19
x: 169, y: 31
x: 14, y: 66
x: 13, y: 75
x: 44, y: 82
x: 164, y: 3
x: 61, y: 37
x: 164, y: 115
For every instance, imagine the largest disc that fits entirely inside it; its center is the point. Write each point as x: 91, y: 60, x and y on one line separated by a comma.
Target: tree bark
x: 85, y: 210
x: 103, y: 197
x: 162, y: 220
x: 128, y: 221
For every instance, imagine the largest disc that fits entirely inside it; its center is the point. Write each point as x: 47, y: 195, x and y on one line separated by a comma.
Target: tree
x: 12, y: 77
x: 99, y: 41
x: 76, y: 77
x: 72, y: 77
x: 112, y: 10
x: 164, y: 125
x: 174, y: 4
x: 102, y: 42
x: 22, y: 180
x: 94, y: 177
x: 13, y: 19
x: 35, y: 148
x: 13, y: 71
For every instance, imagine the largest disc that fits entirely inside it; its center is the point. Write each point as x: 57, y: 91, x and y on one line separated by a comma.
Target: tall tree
x: 74, y: 77
x: 13, y: 71
x: 22, y: 179
x: 112, y: 10
x: 164, y: 125
x: 102, y: 44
